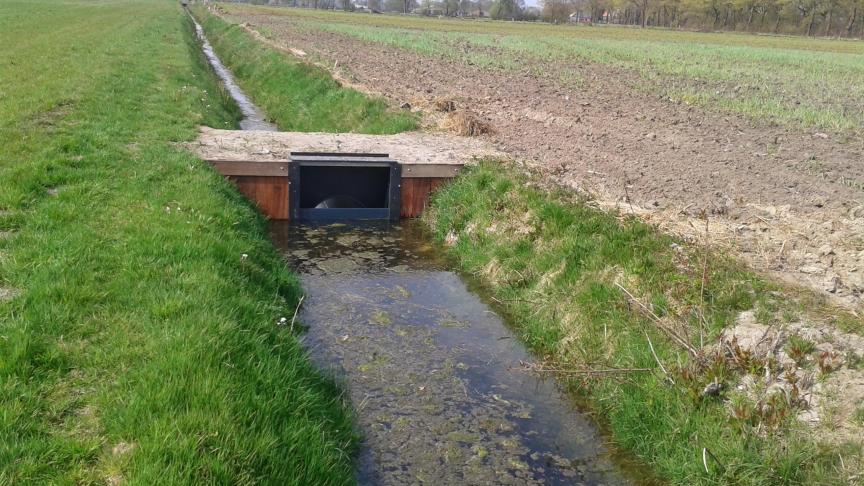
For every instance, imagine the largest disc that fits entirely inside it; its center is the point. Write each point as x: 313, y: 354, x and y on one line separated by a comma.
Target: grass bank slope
x: 298, y: 96
x: 560, y: 268
x: 138, y: 291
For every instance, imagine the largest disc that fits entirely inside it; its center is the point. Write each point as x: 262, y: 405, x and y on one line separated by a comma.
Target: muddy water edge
x: 432, y: 371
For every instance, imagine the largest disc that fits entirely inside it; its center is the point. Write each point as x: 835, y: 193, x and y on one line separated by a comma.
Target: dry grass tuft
x: 8, y: 293
x: 444, y: 105
x: 466, y: 124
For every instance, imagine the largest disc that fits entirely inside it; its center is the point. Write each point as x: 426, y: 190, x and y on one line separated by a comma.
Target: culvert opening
x: 334, y: 186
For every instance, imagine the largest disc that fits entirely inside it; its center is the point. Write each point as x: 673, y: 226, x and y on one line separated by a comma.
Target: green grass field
x: 138, y: 291
x: 811, y: 83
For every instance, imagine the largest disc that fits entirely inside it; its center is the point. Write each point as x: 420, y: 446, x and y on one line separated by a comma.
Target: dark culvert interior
x: 344, y: 186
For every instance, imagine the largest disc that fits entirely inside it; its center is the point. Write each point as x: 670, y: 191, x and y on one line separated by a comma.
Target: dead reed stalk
x: 659, y: 323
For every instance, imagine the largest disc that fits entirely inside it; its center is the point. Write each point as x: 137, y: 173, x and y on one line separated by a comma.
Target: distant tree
x: 531, y: 14
x: 557, y: 11
x: 855, y: 7
x: 450, y: 7
x: 505, y: 9
x: 807, y: 10
x: 641, y: 7
x: 483, y: 7
x: 808, y: 17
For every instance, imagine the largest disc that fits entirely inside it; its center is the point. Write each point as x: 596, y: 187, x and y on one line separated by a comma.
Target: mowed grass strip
x: 795, y: 81
x: 298, y: 96
x: 138, y: 293
x: 555, y: 264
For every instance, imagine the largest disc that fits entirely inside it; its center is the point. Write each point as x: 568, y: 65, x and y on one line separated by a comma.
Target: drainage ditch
x: 432, y: 371
x: 253, y: 117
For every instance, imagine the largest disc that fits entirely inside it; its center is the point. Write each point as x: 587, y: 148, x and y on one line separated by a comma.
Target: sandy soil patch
x: 817, y: 371
x: 412, y: 147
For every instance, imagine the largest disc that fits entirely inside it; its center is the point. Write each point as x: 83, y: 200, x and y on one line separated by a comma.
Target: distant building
x: 583, y: 17
x: 430, y: 11
x: 580, y: 17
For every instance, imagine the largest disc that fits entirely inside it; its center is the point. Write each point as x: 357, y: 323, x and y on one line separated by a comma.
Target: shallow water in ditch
x: 253, y: 117
x: 432, y: 371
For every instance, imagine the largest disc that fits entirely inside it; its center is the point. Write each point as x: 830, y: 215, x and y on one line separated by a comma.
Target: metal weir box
x: 337, y: 185
x: 343, y: 186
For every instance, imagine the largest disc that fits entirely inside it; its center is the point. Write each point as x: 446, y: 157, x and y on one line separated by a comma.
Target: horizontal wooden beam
x: 250, y: 168
x: 413, y: 171
x: 272, y: 168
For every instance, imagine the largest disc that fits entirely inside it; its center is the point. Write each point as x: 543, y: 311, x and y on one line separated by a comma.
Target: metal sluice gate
x: 343, y: 186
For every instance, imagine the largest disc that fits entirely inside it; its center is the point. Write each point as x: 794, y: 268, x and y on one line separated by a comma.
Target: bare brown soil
x: 788, y: 201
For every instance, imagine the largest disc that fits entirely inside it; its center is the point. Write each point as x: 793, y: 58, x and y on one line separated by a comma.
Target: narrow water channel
x: 253, y: 117
x: 432, y: 371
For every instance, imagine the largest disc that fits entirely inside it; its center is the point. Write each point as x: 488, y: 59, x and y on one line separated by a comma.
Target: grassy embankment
x: 555, y: 264
x: 138, y: 291
x: 298, y: 96
x: 790, y: 80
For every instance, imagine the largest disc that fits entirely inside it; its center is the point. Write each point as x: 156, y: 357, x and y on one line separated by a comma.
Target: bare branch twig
x: 705, y: 454
x: 702, y: 288
x: 296, y: 309
x: 627, y: 194
x: 656, y: 358
x: 541, y: 368
x: 659, y: 322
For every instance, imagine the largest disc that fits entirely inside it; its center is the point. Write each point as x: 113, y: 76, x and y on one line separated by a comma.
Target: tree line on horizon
x: 828, y: 18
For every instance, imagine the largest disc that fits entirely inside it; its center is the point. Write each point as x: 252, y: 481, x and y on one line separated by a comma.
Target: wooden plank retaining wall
x: 267, y: 184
